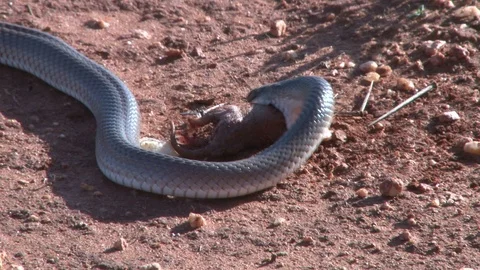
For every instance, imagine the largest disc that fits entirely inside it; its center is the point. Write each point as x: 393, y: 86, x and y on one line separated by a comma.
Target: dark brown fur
x: 233, y: 133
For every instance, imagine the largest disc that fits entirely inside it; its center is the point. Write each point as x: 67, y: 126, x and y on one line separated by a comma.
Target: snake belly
x: 118, y: 123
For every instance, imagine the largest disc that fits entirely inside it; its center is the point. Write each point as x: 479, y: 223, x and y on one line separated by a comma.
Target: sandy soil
x: 58, y: 211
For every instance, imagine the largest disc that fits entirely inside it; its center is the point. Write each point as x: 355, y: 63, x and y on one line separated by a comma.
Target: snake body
x: 118, y: 123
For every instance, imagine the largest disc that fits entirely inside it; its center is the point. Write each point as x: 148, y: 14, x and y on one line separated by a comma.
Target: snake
x: 117, y: 149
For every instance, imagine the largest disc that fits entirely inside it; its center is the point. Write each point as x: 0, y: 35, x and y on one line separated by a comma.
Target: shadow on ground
x: 316, y: 34
x: 72, y: 171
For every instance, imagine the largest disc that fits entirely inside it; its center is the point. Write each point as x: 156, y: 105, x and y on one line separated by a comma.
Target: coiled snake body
x: 118, y: 123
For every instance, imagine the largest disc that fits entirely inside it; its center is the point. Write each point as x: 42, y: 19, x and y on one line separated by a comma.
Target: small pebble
x: 103, y: 24
x: 391, y: 187
x: 450, y: 116
x: 418, y: 65
x: 467, y: 13
x: 368, y: 66
x: 290, y: 55
x: 196, y: 220
x: 351, y: 64
x: 174, y: 53
x: 121, y: 244
x: 97, y: 24
x: 386, y: 206
x: 151, y: 266
x: 459, y: 52
x: 33, y: 218
x: 424, y: 188
x: 141, y: 34
x: 376, y: 229
x: 278, y: 221
x: 379, y: 126
x: 271, y: 50
x: 384, y: 70
x: 278, y: 28
x: 400, y: 60
x: 431, y: 47
x: 406, y: 236
x: 444, y: 3
x: 437, y: 60
x: 472, y: 147
x: 435, y: 203
x: 340, y: 135
x: 307, y: 241
x: 23, y: 182
x: 362, y: 193
x: 405, y: 85
x: 253, y: 52
x: 330, y: 17
x: 197, y: 51
x: 411, y: 221
x: 212, y: 65
x: 372, y: 77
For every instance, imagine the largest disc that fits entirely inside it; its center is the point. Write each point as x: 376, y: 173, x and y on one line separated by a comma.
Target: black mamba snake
x: 118, y: 123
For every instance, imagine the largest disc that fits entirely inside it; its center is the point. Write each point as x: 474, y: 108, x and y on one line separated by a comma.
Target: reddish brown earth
x: 58, y: 211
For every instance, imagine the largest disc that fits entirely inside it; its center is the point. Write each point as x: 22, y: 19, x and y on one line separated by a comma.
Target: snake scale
x: 118, y: 123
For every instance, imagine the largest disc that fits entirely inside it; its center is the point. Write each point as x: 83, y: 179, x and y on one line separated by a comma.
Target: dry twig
x: 401, y: 105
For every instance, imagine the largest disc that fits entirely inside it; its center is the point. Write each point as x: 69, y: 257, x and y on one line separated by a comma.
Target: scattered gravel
x: 221, y: 51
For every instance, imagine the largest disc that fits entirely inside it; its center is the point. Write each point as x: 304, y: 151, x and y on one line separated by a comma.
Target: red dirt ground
x: 58, y: 211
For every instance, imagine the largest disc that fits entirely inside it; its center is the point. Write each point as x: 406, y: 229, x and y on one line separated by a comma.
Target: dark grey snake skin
x: 118, y: 123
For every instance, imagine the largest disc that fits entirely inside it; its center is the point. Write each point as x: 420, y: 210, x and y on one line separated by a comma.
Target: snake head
x: 286, y: 96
